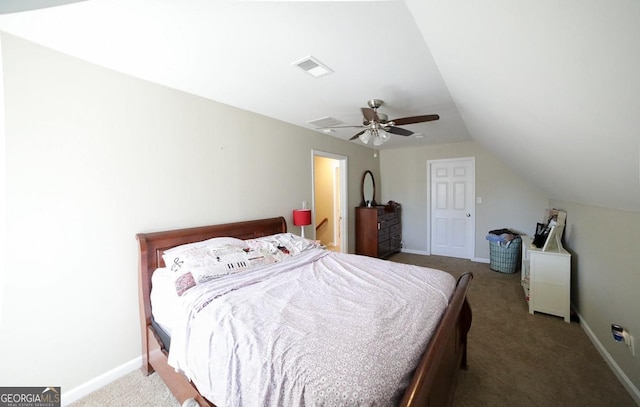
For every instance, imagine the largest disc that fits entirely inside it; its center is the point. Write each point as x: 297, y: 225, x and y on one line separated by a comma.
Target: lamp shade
x: 302, y: 217
x: 381, y: 138
x: 364, y: 137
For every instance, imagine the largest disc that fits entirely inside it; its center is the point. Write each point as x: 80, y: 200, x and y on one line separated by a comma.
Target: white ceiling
x: 549, y: 87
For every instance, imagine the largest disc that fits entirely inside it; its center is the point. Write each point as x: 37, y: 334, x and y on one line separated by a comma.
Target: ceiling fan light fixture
x: 365, y: 137
x: 381, y: 138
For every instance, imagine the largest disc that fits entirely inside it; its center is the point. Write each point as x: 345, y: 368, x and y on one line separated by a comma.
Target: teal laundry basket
x: 505, y: 258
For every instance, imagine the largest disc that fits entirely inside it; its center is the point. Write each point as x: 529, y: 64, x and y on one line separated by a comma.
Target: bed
x: 431, y: 383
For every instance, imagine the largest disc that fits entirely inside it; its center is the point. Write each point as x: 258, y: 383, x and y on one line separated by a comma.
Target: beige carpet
x: 515, y: 359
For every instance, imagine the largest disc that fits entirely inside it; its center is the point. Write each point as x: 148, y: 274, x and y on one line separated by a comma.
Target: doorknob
x: 468, y: 215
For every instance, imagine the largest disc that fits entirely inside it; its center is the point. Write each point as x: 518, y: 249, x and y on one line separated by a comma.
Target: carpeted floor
x: 518, y: 359
x: 515, y: 359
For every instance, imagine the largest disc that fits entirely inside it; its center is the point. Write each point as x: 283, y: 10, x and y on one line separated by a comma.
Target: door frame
x: 342, y: 164
x: 472, y: 238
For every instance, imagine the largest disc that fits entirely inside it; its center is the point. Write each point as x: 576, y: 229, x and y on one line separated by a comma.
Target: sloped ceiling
x: 552, y: 88
x: 549, y: 87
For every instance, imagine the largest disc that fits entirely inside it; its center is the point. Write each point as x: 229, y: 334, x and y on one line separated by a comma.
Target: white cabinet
x: 546, y: 279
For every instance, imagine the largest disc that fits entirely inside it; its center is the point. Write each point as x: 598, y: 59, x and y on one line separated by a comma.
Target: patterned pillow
x: 201, y: 264
x: 282, y: 245
x: 169, y: 256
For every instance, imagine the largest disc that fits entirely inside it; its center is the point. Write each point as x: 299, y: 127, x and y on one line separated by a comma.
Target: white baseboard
x: 427, y: 253
x: 96, y: 383
x: 411, y: 251
x: 624, y: 379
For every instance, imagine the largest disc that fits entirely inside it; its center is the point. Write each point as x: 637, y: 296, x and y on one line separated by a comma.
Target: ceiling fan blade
x: 357, y: 135
x: 415, y: 119
x: 370, y: 114
x: 399, y: 131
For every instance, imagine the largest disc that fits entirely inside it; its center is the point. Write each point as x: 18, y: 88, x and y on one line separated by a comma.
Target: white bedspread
x: 319, y: 328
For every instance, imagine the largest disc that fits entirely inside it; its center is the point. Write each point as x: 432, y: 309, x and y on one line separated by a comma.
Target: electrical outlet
x: 621, y: 335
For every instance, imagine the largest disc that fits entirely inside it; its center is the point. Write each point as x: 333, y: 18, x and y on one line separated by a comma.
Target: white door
x: 452, y: 186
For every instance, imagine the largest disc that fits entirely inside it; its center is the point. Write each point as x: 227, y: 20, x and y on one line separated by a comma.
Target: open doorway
x: 330, y: 200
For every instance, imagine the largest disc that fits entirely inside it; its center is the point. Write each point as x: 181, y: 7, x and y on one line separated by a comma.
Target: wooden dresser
x: 378, y: 230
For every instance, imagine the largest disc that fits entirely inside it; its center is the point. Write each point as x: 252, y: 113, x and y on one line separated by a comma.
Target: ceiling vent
x: 313, y: 67
x: 325, y: 122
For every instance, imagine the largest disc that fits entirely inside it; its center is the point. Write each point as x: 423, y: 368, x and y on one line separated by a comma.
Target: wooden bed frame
x: 435, y: 377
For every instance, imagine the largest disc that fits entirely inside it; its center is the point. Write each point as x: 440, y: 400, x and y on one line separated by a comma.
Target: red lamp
x: 302, y: 218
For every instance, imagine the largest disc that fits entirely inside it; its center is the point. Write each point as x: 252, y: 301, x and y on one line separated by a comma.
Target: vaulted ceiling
x: 549, y: 87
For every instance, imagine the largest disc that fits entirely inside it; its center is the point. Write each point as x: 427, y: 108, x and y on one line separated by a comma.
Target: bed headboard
x: 153, y: 245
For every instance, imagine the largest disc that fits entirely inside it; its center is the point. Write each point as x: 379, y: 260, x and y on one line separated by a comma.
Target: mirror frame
x: 373, y: 184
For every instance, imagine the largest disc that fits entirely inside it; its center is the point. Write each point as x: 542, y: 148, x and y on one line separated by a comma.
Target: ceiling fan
x: 378, y: 126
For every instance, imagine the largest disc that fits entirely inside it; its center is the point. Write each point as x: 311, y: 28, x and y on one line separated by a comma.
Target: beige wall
x: 605, y: 276
x: 94, y: 157
x: 507, y: 200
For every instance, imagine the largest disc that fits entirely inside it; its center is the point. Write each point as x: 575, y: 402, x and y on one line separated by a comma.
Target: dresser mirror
x: 368, y: 189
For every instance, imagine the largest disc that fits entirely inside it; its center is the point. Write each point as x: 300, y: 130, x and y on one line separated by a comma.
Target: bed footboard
x: 434, y: 381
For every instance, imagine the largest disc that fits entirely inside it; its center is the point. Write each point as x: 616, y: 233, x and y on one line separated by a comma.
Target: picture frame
x: 554, y: 240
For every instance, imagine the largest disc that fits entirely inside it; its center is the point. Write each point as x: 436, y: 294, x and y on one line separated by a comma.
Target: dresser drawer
x: 388, y: 217
x: 383, y: 234
x: 384, y: 247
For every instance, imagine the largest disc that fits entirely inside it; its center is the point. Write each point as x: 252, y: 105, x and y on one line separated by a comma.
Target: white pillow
x: 201, y: 264
x: 283, y: 245
x: 169, y: 256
